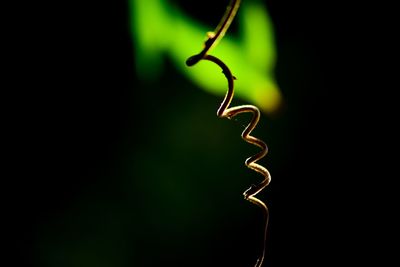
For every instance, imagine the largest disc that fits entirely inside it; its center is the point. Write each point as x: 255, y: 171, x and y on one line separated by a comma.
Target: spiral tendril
x: 224, y: 111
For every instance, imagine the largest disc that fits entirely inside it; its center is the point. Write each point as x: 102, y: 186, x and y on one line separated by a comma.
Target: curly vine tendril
x: 224, y: 111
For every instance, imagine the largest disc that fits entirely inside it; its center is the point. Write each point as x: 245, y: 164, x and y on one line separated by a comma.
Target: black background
x: 79, y: 106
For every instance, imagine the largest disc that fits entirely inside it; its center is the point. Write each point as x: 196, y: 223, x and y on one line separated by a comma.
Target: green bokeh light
x: 159, y: 28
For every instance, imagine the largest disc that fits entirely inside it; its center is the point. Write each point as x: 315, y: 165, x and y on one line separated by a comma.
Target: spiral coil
x: 224, y: 111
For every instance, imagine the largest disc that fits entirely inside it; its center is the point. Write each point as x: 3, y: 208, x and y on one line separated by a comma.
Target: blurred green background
x: 117, y: 170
